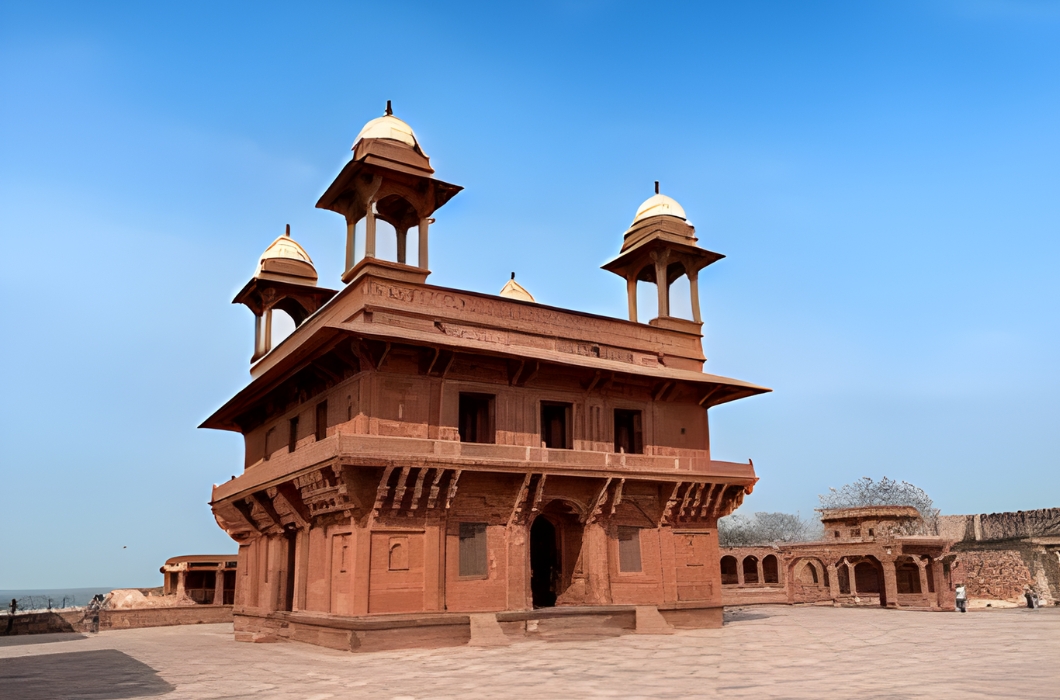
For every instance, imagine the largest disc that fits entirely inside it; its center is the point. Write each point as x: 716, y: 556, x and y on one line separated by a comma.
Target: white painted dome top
x: 659, y: 205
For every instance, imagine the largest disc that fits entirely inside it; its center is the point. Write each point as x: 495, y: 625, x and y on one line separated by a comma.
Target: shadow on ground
x: 741, y: 615
x: 21, y: 639
x: 80, y: 675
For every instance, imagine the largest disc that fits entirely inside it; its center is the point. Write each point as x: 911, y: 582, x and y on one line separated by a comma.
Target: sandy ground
x: 762, y: 652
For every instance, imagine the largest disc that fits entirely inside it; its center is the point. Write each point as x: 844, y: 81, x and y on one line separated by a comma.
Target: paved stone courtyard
x: 762, y: 652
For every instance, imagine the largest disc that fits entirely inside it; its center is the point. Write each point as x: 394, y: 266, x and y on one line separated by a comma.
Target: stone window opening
x: 322, y: 420
x: 555, y: 425
x: 856, y: 532
x: 750, y: 569
x: 770, y: 569
x: 398, y: 559
x: 473, y: 549
x: 629, y: 549
x: 837, y: 534
x: 729, y: 575
x: 629, y: 431
x: 476, y: 418
x: 292, y: 434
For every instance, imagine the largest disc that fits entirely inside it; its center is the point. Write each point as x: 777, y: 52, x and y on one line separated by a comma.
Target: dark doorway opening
x: 200, y: 586
x: 476, y: 418
x: 229, y: 590
x: 628, y: 432
x: 555, y: 425
x: 292, y: 544
x: 544, y: 562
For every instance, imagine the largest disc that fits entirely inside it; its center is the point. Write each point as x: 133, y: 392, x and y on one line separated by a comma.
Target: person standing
x: 962, y: 598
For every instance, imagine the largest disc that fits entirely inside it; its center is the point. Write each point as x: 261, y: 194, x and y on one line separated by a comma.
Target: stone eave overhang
x: 833, y: 514
x: 346, y: 315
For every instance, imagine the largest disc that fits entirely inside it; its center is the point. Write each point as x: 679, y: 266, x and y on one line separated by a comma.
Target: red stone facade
x: 414, y: 451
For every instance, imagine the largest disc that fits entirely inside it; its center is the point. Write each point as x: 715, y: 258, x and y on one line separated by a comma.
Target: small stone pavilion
x: 207, y: 579
x: 865, y: 558
x: 417, y: 456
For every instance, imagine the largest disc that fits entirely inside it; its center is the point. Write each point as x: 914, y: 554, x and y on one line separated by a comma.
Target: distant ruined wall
x: 1001, y: 526
x: 1001, y: 554
x: 999, y: 575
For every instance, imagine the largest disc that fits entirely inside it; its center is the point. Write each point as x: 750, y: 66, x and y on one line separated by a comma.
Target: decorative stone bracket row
x: 411, y: 491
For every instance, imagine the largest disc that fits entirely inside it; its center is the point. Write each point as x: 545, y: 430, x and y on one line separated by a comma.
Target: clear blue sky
x: 883, y: 177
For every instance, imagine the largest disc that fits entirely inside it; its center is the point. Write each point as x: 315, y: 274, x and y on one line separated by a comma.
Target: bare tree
x: 764, y: 528
x: 886, y: 492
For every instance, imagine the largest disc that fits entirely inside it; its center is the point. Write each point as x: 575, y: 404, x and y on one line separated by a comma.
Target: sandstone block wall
x: 1000, y: 554
x: 998, y: 575
x: 1022, y: 524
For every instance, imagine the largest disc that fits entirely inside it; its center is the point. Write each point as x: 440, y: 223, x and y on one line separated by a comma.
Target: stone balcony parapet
x: 376, y: 450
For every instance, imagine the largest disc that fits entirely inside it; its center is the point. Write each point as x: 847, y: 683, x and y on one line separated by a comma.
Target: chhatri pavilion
x: 423, y: 462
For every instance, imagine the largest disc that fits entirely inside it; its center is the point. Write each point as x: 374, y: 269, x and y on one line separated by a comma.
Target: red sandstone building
x: 416, y: 453
x: 863, y: 559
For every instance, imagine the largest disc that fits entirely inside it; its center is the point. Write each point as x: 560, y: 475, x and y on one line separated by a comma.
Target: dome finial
x: 389, y: 109
x: 513, y: 275
x: 656, y: 187
x: 288, y: 231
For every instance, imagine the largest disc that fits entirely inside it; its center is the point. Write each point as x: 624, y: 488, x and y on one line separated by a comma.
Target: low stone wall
x: 48, y: 622
x: 433, y: 630
x: 754, y: 595
x: 164, y: 617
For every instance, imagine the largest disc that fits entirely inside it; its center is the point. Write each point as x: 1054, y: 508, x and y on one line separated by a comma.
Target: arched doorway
x: 545, y: 565
x: 750, y: 569
x: 729, y: 577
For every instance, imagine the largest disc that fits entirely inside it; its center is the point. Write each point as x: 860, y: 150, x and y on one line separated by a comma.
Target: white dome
x: 285, y: 247
x: 514, y: 290
x: 388, y: 127
x: 659, y: 205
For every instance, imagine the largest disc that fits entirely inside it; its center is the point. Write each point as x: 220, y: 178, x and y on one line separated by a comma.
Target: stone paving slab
x: 762, y: 652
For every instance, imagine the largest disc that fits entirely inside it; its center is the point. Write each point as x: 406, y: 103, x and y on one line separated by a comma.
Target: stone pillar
x: 422, y: 262
x: 369, y: 232
x: 301, y: 575
x: 739, y: 572
x: 219, y: 585
x: 631, y: 294
x: 180, y: 581
x: 351, y: 243
x: 266, y: 341
x: 943, y: 594
x: 852, y: 579
x: 259, y: 338
x: 661, y: 284
x: 761, y: 573
x: 362, y: 556
x: 923, y: 577
x: 402, y: 236
x: 693, y: 285
x: 890, y: 583
x: 833, y: 582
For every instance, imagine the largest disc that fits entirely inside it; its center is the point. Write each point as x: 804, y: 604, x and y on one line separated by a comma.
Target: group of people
x: 962, y: 598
